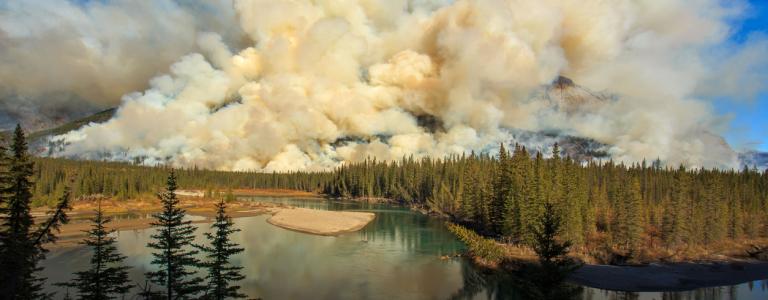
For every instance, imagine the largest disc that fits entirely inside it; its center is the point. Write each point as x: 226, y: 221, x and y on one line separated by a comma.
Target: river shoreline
x: 138, y: 218
x: 654, y: 277
x: 136, y: 214
x: 670, y: 277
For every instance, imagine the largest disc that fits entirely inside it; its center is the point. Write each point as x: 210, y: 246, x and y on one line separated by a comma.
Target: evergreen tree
x: 5, y: 179
x: 716, y: 212
x: 677, y: 219
x: 107, y: 277
x: 502, y: 187
x: 173, y: 238
x: 629, y: 222
x: 736, y: 220
x: 546, y: 245
x: 221, y: 273
x: 19, y: 254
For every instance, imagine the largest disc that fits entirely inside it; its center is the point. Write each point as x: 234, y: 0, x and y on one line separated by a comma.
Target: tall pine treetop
x: 174, y: 257
x: 222, y: 275
x: 107, y: 276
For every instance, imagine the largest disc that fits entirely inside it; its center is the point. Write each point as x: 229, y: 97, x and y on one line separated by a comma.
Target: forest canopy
x: 624, y: 206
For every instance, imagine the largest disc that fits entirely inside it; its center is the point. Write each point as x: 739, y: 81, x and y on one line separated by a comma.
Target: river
x: 397, y: 256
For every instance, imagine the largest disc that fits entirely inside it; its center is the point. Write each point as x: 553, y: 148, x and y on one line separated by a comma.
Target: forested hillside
x: 602, y: 203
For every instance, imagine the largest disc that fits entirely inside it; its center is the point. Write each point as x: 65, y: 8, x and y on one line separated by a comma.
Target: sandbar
x: 320, y: 222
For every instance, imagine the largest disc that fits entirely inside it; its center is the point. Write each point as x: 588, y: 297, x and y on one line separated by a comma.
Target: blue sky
x: 749, y: 127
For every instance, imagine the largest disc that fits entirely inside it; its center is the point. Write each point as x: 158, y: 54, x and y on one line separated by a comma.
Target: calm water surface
x: 397, y: 256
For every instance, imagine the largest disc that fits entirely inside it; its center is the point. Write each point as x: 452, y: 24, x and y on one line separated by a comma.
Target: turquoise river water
x: 397, y: 256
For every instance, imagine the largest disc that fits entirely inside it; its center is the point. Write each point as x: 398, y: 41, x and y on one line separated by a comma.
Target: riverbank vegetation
x: 543, y: 278
x: 612, y: 212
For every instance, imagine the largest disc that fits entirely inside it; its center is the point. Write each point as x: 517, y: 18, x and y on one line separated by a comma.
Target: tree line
x: 603, y: 204
x: 124, y: 181
x: 176, y: 256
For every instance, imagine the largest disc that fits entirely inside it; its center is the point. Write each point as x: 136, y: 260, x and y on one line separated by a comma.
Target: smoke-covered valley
x: 313, y: 84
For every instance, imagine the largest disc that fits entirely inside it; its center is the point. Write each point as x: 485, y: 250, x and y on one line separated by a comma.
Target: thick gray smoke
x: 62, y: 59
x: 326, y: 82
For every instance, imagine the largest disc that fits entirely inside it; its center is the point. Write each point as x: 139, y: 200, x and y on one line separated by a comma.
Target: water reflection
x: 527, y: 283
x: 400, y: 255
x: 750, y: 291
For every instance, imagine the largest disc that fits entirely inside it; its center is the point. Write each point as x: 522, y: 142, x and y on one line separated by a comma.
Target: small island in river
x: 320, y: 222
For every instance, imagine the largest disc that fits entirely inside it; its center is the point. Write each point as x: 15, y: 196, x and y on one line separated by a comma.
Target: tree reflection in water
x: 527, y: 282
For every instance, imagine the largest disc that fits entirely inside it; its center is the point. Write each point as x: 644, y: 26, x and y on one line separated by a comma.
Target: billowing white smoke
x: 332, y: 81
x: 62, y: 58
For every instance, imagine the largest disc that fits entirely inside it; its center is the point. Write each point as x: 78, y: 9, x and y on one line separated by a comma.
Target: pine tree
x: 546, y: 245
x: 716, y: 212
x: 546, y: 281
x: 19, y: 254
x: 502, y: 187
x: 107, y: 276
x: 677, y: 218
x: 174, y: 235
x: 470, y: 195
x: 221, y: 273
x: 5, y: 179
x: 630, y: 218
x: 736, y: 219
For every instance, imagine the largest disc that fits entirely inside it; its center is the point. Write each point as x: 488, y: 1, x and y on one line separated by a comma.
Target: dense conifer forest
x: 623, y: 207
x: 601, y: 203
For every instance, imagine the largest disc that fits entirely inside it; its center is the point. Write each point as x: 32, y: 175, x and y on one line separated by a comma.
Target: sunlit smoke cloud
x: 327, y: 82
x: 62, y: 59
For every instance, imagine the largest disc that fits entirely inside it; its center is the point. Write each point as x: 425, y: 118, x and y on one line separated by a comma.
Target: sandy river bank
x: 137, y: 214
x: 320, y: 222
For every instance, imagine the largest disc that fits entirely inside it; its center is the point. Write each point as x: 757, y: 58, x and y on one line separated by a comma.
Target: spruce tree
x: 19, y: 254
x: 172, y: 240
x: 677, y: 218
x: 221, y: 273
x: 5, y: 179
x: 632, y: 225
x: 502, y: 187
x: 107, y: 277
x: 550, y: 251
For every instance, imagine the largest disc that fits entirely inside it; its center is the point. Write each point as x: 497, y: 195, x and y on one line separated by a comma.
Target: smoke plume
x: 62, y: 59
x: 327, y: 82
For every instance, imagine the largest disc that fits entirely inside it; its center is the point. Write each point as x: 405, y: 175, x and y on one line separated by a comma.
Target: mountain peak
x: 563, y: 82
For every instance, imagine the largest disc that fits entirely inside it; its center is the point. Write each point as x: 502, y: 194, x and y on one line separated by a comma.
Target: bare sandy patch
x: 320, y: 222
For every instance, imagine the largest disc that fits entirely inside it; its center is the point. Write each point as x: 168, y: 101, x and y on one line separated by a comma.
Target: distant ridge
x: 34, y: 137
x: 99, y: 117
